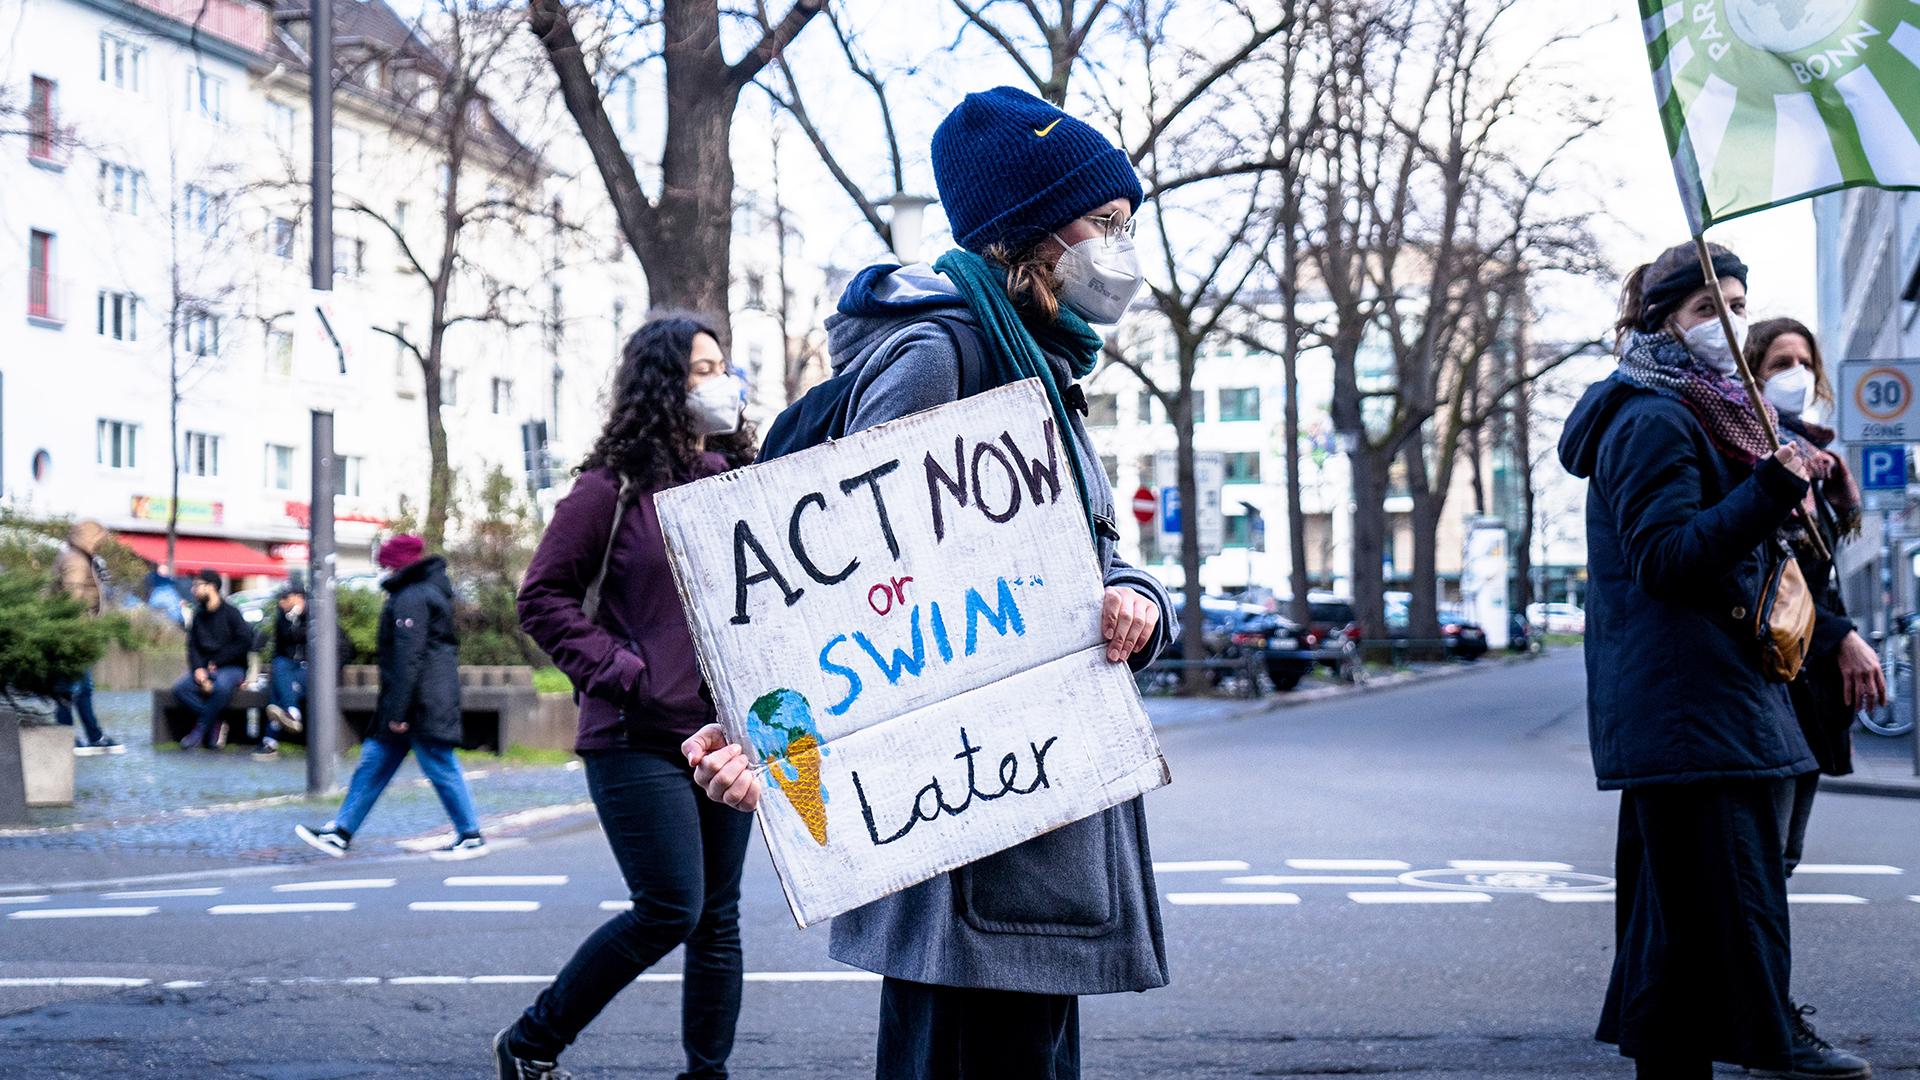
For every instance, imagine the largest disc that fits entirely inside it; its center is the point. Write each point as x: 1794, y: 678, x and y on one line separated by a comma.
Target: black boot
x: 1814, y: 1058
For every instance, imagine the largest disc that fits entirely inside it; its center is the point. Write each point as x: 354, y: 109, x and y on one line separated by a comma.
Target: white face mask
x: 1708, y: 343
x: 1099, y: 277
x: 715, y: 405
x: 1791, y: 391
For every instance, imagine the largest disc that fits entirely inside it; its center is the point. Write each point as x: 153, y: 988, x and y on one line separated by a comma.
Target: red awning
x: 193, y: 553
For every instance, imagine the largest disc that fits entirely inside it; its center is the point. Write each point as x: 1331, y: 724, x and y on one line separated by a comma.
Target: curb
x: 1855, y: 785
x: 1292, y: 699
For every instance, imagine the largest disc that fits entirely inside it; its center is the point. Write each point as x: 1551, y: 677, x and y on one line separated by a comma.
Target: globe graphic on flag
x: 1787, y: 26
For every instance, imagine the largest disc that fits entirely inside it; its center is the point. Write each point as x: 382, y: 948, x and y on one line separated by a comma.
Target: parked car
x: 1466, y: 640
x: 1235, y: 630
x: 1522, y: 635
x: 1558, y: 618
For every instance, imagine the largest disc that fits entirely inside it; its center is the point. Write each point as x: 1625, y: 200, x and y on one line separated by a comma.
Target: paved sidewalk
x: 1880, y: 767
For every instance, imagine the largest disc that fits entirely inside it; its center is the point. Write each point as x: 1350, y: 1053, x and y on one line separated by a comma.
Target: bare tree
x: 682, y: 233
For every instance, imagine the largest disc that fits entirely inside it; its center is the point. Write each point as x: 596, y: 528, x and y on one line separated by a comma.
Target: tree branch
x: 771, y: 43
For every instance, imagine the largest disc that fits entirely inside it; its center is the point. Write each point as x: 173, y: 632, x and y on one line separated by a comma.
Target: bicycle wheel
x: 1895, y: 718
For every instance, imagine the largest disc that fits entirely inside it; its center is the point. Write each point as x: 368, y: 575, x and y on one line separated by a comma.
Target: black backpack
x: 822, y: 412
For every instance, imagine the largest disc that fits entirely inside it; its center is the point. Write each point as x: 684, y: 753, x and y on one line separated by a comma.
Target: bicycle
x: 1896, y: 716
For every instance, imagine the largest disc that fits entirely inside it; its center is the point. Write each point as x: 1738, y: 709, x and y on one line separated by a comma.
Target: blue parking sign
x: 1883, y: 468
x: 1170, y: 510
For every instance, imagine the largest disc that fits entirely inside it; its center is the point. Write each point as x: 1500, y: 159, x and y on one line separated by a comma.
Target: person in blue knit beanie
x: 983, y: 967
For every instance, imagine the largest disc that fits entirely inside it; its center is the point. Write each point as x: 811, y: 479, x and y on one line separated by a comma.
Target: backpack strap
x: 590, y: 604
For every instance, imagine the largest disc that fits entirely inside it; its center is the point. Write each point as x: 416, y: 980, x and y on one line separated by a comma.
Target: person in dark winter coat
x: 676, y: 418
x: 419, y: 704
x: 218, y: 645
x: 983, y: 967
x: 1687, y: 499
x: 284, y: 635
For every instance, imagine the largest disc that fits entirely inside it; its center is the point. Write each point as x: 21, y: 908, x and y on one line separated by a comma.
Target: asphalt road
x: 1299, y: 945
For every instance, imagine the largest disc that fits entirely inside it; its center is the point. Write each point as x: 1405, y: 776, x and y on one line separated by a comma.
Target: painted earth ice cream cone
x: 780, y: 726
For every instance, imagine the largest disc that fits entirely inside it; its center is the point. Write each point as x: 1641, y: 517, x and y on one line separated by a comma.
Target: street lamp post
x: 907, y: 223
x: 323, y: 662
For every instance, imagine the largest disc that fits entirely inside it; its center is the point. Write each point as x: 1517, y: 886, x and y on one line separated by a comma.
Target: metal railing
x: 43, y: 296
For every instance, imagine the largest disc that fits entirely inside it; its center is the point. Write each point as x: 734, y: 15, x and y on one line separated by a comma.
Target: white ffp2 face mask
x: 1708, y: 343
x: 1792, y: 390
x: 1099, y: 277
x: 716, y: 405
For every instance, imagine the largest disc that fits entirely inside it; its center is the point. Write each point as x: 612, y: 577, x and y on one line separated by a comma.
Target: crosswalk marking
x: 474, y: 905
x: 1232, y: 899
x: 25, y: 899
x: 1348, y: 864
x: 1570, y: 897
x: 1200, y: 866
x: 1872, y: 869
x: 1824, y: 898
x: 1310, y: 879
x: 160, y: 894
x: 77, y: 980
x: 1494, y: 866
x: 337, y: 885
x: 83, y: 913
x: 309, y: 908
x: 615, y: 905
x: 1421, y: 896
x: 493, y: 881
x: 114, y: 982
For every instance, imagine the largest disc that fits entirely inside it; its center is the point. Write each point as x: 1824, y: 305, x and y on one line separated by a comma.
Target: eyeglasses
x: 1112, y: 226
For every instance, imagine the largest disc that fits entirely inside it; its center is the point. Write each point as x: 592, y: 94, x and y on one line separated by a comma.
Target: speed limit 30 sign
x: 1877, y: 401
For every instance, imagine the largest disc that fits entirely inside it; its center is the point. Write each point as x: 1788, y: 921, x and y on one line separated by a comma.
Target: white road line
x: 428, y: 980
x: 1309, y: 879
x: 311, y: 908
x: 158, y: 894
x: 83, y: 913
x: 76, y: 980
x: 340, y: 885
x: 1494, y: 866
x: 1569, y: 897
x: 1348, y: 864
x: 511, y: 980
x: 618, y: 905
x: 812, y: 976
x: 1232, y: 899
x: 497, y: 881
x: 24, y: 899
x: 193, y: 984
x: 1874, y: 869
x: 1824, y: 898
x: 1200, y: 866
x: 1422, y: 896
x: 474, y: 905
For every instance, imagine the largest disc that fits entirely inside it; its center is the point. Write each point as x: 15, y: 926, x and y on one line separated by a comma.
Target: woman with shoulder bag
x: 600, y: 599
x: 1688, y: 711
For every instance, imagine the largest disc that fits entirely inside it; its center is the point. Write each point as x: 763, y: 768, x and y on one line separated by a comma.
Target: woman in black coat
x: 1687, y: 500
x: 419, y: 705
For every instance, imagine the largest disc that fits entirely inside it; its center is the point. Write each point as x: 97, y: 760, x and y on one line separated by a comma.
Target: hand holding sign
x: 722, y: 770
x: 1127, y: 620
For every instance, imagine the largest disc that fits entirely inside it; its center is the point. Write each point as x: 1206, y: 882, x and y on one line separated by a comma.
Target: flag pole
x: 1746, y: 373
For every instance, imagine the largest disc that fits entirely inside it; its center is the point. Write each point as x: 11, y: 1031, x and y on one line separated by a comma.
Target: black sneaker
x: 519, y: 1068
x: 328, y: 839
x: 1814, y: 1058
x: 288, y: 719
x: 105, y: 744
x: 191, y: 739
x: 268, y: 750
x: 467, y: 847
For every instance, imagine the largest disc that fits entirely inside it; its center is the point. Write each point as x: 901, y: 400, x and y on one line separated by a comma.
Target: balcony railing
x: 43, y: 298
x: 49, y: 144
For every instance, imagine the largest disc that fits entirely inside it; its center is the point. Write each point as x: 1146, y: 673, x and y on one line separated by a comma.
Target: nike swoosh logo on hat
x: 1041, y: 133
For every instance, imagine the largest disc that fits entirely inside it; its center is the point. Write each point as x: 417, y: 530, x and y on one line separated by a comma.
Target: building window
x: 1240, y: 403
x: 280, y: 238
x: 200, y: 454
x: 1243, y: 467
x: 400, y: 218
x: 200, y: 332
x: 1239, y: 532
x: 1110, y: 465
x: 43, y: 120
x: 121, y: 187
x: 280, y: 125
x: 115, y: 442
x: 279, y: 468
x: 351, y: 469
x: 41, y: 284
x: 206, y: 95
x: 348, y: 146
x: 116, y: 316
x: 122, y: 63
x: 202, y: 210
x: 280, y: 354
x: 619, y: 323
x: 1103, y: 410
x: 349, y: 257
x: 1199, y: 406
x: 502, y: 396
x: 449, y: 387
x: 1145, y: 409
x: 756, y: 290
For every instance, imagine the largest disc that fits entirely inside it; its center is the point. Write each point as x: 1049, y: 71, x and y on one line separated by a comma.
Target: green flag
x: 1769, y: 101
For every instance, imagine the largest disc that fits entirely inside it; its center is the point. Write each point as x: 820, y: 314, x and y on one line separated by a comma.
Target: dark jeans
x: 1794, y: 806
x: 209, y: 706
x: 955, y: 1033
x: 80, y: 697
x: 681, y: 854
x: 288, y: 689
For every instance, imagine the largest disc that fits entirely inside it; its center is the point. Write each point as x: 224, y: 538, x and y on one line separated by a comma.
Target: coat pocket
x: 1062, y: 883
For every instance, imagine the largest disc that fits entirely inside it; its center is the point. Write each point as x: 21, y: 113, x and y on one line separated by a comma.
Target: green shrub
x: 46, y: 640
x: 359, y: 613
x: 551, y: 680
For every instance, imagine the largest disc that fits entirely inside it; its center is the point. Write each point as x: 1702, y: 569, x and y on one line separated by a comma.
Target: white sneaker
x: 288, y: 719
x: 467, y: 847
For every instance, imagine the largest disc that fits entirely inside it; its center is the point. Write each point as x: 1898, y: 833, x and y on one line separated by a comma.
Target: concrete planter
x: 13, y: 795
x: 46, y: 757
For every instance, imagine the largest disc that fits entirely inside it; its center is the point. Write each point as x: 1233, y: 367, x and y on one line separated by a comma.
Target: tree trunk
x: 1193, y: 619
x: 1423, y: 610
x: 687, y: 258
x: 1300, y: 610
x: 1370, y: 538
x: 1520, y: 420
x: 439, y: 468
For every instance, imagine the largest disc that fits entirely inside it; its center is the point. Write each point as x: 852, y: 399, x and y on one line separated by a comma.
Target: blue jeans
x: 208, y: 705
x: 80, y: 697
x: 288, y: 690
x: 380, y: 759
x: 681, y: 854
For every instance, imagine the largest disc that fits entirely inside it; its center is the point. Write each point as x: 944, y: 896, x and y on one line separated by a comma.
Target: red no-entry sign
x: 1144, y: 504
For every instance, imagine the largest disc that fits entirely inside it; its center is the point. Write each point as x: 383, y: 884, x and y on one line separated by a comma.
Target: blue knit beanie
x: 1011, y: 167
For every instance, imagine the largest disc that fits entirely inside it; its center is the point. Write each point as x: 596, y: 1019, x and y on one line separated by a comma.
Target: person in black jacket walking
x: 1687, y: 500
x: 218, y: 644
x: 419, y: 704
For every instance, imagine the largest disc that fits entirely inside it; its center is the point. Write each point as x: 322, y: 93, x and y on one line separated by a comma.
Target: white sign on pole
x: 1483, y: 579
x: 1877, y: 401
x: 903, y: 627
x: 1209, y: 481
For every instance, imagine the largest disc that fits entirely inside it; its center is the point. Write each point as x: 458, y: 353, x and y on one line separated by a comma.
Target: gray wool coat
x: 1073, y: 911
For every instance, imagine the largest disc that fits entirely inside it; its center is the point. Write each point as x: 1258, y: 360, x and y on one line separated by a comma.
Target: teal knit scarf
x: 984, y: 287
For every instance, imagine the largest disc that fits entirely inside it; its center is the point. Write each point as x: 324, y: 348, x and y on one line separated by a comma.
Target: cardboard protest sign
x: 903, y: 628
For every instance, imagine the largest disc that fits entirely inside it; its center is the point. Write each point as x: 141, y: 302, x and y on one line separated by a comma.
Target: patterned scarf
x: 1657, y: 362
